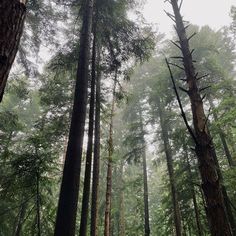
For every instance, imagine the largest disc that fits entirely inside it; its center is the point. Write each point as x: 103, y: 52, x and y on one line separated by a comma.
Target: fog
x: 215, y: 13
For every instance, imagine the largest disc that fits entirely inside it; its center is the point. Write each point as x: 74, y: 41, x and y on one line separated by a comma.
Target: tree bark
x: 88, y: 165
x: 96, y: 159
x: 68, y: 200
x: 12, y: 17
x: 107, y: 223
x: 145, y: 180
x: 216, y: 211
x: 169, y: 160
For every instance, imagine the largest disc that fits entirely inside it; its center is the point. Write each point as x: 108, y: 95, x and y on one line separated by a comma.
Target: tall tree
x: 107, y: 220
x: 12, y: 17
x: 145, y: 179
x: 216, y: 211
x: 96, y: 159
x: 88, y: 161
x: 169, y: 160
x: 68, y: 200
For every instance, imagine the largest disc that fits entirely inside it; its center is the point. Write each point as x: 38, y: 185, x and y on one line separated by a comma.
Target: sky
x: 214, y: 13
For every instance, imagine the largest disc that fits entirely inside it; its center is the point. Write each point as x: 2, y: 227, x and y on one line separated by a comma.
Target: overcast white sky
x: 214, y: 13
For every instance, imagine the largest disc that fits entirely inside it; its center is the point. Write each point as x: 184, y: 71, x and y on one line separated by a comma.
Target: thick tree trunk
x: 107, y: 223
x: 216, y: 211
x: 145, y: 180
x: 165, y: 138
x: 68, y: 200
x: 195, y: 205
x: 96, y: 160
x: 12, y: 17
x: 88, y: 165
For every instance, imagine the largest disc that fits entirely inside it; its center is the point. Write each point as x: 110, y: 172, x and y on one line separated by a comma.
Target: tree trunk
x: 12, y: 17
x: 145, y: 180
x: 216, y: 211
x: 68, y: 200
x: 165, y: 138
x: 107, y: 224
x: 122, y: 207
x: 96, y: 159
x: 38, y: 205
x: 195, y: 205
x: 88, y: 165
x: 222, y: 136
x: 20, y: 219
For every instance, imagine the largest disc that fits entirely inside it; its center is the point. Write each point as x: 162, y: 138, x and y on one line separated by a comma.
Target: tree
x: 12, y: 17
x: 216, y: 211
x: 169, y: 160
x: 88, y: 161
x: 67, y: 206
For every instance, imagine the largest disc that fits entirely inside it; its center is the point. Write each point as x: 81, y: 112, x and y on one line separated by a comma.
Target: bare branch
x: 192, y: 51
x: 180, y: 5
x: 179, y: 57
x: 180, y: 104
x: 202, y: 76
x: 173, y: 64
x: 192, y: 36
x: 175, y: 44
x: 203, y: 97
x: 202, y: 89
x: 184, y: 90
x: 170, y: 16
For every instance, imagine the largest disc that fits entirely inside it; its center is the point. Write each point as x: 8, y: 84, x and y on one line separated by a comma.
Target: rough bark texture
x: 216, y: 211
x: 165, y: 138
x: 107, y: 224
x: 12, y: 17
x: 145, y: 181
x: 88, y: 165
x: 68, y: 200
x: 96, y: 161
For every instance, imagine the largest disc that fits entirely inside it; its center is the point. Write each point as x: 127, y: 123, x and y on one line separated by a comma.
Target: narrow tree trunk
x: 38, y: 205
x: 20, y: 219
x: 96, y: 160
x: 107, y: 224
x: 12, y: 17
x: 222, y: 136
x: 145, y: 180
x: 122, y: 207
x: 68, y: 200
x: 195, y: 205
x: 88, y: 165
x: 145, y: 185
x: 216, y: 211
x: 165, y: 138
